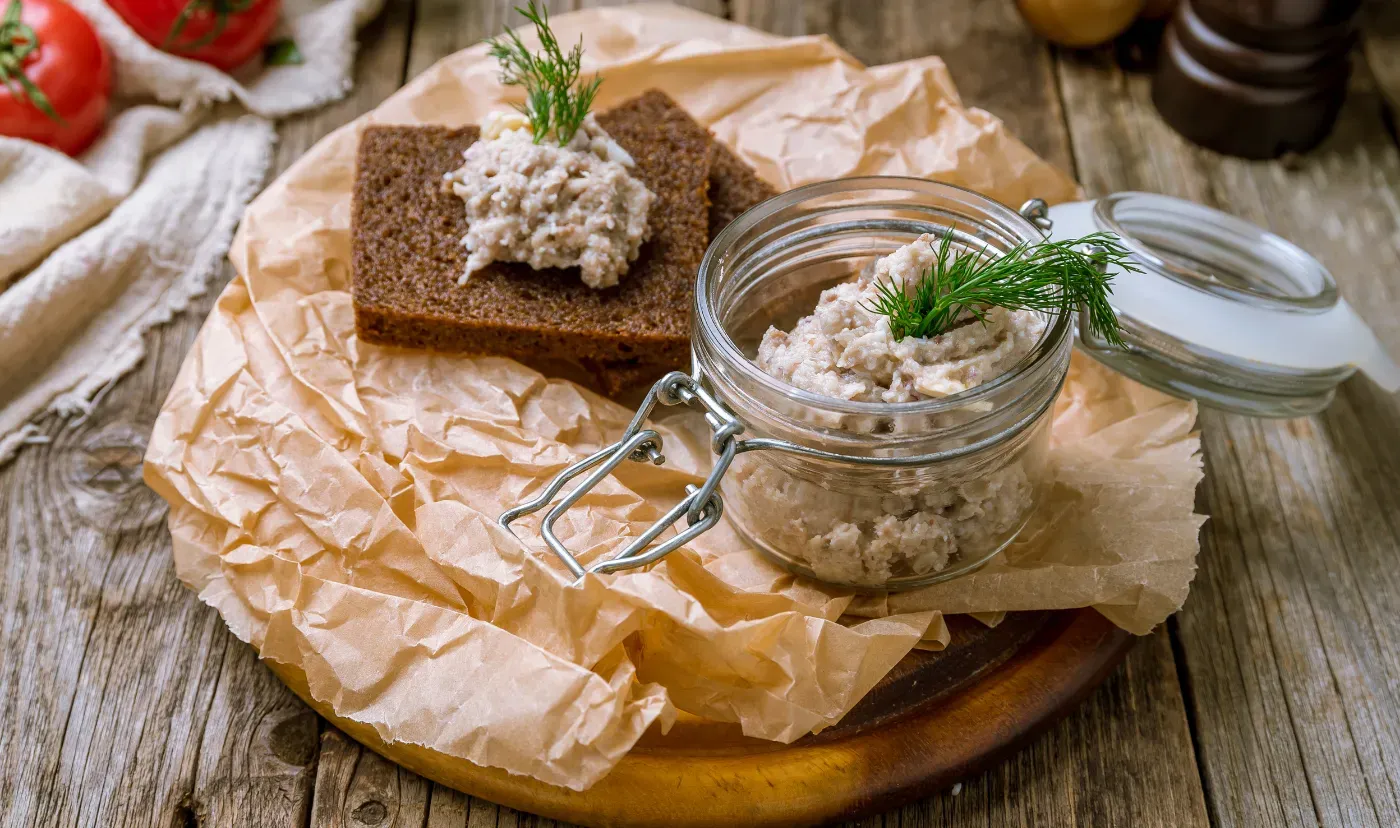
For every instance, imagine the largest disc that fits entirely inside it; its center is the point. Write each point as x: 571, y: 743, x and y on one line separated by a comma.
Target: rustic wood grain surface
x: 1272, y: 699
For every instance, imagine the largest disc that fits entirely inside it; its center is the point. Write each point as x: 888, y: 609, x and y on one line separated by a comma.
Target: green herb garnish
x: 222, y: 11
x: 283, y: 52
x: 553, y: 104
x: 17, y: 42
x: 1047, y: 277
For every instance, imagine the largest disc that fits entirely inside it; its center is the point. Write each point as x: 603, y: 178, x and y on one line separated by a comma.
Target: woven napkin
x: 94, y: 251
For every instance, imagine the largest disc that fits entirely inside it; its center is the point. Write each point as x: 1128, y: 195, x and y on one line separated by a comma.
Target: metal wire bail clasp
x: 1037, y: 212
x: 701, y: 506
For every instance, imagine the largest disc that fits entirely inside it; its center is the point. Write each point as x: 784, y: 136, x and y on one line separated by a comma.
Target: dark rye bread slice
x: 734, y: 188
x: 407, y: 252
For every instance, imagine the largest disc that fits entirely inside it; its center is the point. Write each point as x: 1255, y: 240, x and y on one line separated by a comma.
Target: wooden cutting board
x: 936, y: 718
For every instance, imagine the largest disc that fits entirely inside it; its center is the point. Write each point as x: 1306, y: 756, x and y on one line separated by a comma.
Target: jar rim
x: 1060, y: 323
x: 1307, y: 286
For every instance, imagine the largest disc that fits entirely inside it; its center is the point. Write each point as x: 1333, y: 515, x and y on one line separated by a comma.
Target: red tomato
x: 222, y: 33
x: 56, y: 75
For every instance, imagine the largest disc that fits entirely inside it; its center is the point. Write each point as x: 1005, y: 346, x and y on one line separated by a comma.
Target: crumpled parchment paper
x: 335, y: 501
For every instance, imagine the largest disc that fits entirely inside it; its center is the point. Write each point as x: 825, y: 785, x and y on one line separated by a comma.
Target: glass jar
x: 891, y: 495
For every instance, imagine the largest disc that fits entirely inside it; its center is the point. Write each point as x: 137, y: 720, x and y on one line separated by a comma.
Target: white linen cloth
x: 95, y: 251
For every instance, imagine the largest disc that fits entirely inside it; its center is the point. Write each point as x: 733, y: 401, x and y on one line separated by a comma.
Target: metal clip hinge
x: 701, y: 507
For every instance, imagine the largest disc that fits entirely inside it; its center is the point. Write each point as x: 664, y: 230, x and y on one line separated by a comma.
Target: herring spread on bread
x: 551, y: 200
x: 546, y: 185
x: 552, y: 206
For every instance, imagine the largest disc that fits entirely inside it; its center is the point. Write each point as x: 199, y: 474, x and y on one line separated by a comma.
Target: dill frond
x: 1045, y: 277
x: 555, y: 102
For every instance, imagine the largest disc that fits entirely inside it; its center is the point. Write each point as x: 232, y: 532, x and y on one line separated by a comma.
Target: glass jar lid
x: 1223, y: 311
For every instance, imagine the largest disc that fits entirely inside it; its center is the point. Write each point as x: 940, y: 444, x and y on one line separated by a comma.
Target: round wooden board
x: 937, y: 718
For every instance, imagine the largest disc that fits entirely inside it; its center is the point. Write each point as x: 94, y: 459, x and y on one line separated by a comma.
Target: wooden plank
x: 128, y: 702
x: 355, y: 787
x: 718, y: 8
x: 93, y: 622
x: 257, y: 758
x: 784, y: 17
x: 1289, y: 634
x: 1380, y: 38
x: 442, y: 27
x: 995, y: 60
x: 1076, y: 776
x: 450, y: 809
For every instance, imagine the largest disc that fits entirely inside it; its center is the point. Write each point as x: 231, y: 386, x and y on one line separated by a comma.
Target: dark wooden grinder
x: 1255, y: 78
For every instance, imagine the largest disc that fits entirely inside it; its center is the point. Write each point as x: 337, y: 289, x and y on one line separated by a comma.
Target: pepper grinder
x: 1255, y: 78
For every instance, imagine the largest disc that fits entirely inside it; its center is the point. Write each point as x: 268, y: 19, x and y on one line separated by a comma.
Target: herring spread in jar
x: 895, y: 346
x: 844, y: 349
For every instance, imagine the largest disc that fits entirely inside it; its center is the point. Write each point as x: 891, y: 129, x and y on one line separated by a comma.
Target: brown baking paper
x: 335, y: 501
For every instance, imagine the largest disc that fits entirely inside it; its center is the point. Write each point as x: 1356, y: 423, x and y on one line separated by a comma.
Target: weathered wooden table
x: 1273, y: 698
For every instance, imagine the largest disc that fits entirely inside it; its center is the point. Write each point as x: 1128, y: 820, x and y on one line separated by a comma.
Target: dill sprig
x: 1046, y: 277
x: 18, y: 41
x: 552, y: 104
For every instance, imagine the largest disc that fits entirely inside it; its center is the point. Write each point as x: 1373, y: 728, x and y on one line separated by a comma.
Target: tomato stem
x: 17, y: 42
x: 221, y: 9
